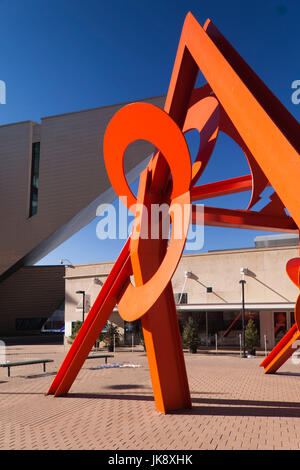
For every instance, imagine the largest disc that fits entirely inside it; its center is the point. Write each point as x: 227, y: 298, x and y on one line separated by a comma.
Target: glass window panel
x: 34, y: 184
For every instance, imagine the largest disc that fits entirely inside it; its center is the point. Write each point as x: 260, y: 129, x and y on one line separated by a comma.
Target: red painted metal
x: 226, y: 333
x: 289, y: 344
x: 283, y: 350
x: 93, y: 324
x: 234, y: 218
x: 221, y: 188
x: 234, y: 101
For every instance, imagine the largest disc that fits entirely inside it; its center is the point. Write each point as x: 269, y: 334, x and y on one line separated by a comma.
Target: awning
x: 235, y: 306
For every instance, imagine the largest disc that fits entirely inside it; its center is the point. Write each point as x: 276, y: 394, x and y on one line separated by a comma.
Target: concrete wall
x: 15, y: 172
x: 267, y: 283
x: 31, y: 292
x: 90, y: 278
x: 72, y: 176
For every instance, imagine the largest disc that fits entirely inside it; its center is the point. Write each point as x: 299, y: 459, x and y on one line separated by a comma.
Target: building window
x: 227, y: 325
x: 26, y: 324
x: 34, y: 183
x: 132, y: 332
x: 280, y: 325
x: 181, y: 298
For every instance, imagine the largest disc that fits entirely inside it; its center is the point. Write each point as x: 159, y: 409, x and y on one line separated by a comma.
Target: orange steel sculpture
x: 234, y: 101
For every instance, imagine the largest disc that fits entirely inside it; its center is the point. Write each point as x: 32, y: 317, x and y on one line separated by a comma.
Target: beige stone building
x: 52, y: 179
x: 207, y: 287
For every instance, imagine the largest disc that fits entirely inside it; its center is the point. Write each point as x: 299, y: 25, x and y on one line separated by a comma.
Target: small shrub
x: 251, y: 336
x: 111, y: 335
x: 190, y: 336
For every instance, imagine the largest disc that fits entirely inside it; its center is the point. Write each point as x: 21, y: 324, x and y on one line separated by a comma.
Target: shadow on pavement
x: 214, y: 406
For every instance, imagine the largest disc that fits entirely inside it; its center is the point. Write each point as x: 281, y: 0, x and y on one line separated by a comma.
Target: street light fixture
x: 70, y: 265
x: 83, y: 301
x: 243, y: 271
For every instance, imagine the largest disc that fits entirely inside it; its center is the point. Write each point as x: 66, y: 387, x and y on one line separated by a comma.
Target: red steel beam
x: 93, y: 324
x: 232, y: 325
x: 222, y: 188
x: 220, y: 217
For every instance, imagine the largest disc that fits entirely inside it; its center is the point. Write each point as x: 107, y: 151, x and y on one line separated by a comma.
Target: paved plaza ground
x: 235, y: 406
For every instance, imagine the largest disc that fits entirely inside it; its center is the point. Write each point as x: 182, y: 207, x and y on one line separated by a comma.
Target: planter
x: 110, y: 348
x: 193, y: 349
x: 252, y: 352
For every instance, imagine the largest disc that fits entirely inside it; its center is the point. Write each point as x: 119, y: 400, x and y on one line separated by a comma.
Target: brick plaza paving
x: 235, y: 406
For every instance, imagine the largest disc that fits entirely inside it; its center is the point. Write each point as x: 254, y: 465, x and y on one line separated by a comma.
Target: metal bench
x: 95, y: 356
x: 24, y: 363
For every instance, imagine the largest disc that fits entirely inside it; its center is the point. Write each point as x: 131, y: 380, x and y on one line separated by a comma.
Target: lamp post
x: 243, y: 282
x: 83, y: 301
x: 70, y: 265
x: 187, y: 275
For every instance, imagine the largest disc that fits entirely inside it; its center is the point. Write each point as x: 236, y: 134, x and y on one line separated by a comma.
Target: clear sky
x: 60, y: 56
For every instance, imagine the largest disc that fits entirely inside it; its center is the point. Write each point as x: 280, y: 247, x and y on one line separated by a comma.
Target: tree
x: 75, y: 328
x: 190, y: 336
x: 251, y: 336
x: 111, y: 336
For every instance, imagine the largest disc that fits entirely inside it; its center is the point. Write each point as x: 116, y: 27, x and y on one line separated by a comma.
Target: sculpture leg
x: 160, y: 323
x: 165, y: 355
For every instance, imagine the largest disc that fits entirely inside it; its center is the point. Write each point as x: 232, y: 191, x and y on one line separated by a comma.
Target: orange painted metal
x: 234, y: 218
x: 145, y: 121
x: 156, y: 126
x: 262, y: 136
x: 152, y: 290
x: 233, y: 101
x: 152, y: 299
x: 203, y: 115
x: 283, y: 350
x: 93, y: 324
x: 222, y: 188
x: 290, y: 343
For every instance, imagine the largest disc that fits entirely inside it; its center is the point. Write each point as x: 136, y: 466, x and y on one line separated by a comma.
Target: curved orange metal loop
x: 293, y: 270
x: 259, y: 180
x: 137, y: 300
x: 148, y: 122
x: 207, y: 116
x: 203, y: 115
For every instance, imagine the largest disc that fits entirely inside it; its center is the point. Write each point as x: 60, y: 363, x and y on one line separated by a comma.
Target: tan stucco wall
x: 267, y: 283
x: 221, y: 271
x: 82, y: 277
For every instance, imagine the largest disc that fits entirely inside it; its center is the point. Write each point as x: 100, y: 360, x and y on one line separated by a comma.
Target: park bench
x: 95, y: 356
x: 24, y: 363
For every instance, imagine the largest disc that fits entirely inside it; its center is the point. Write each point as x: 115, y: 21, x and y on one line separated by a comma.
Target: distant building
x: 206, y: 286
x: 52, y: 179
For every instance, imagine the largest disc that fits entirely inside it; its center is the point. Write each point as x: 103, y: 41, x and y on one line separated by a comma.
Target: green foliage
x: 75, y: 328
x: 111, y: 333
x: 251, y: 336
x: 190, y: 335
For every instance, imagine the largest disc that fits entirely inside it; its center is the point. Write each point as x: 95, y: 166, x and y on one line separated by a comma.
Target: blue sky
x: 60, y: 56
